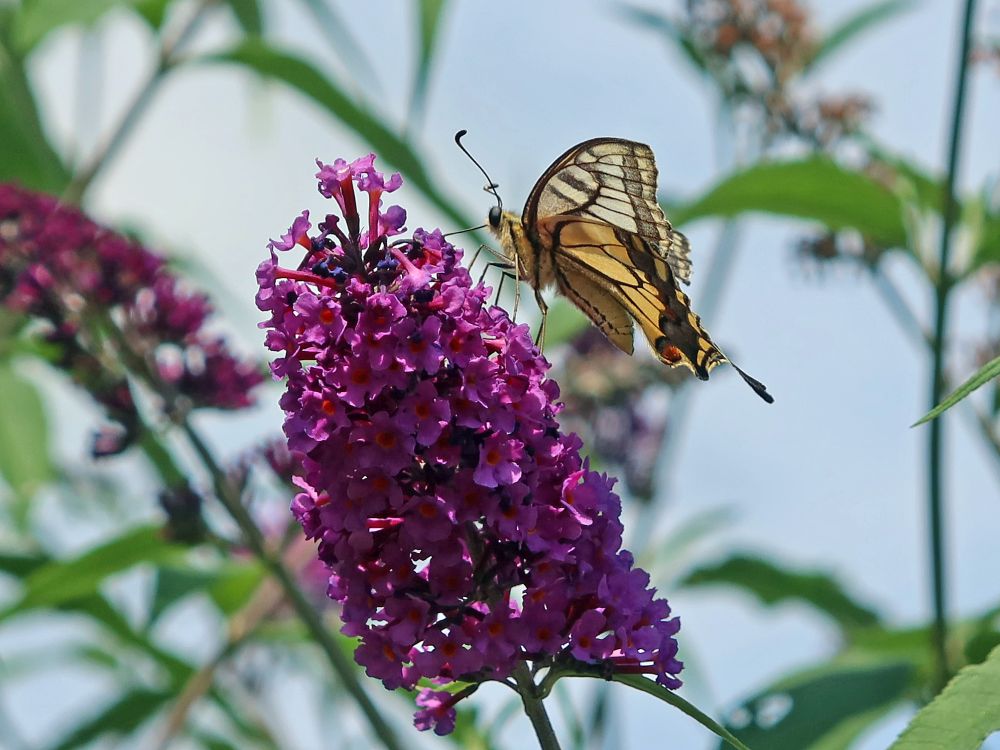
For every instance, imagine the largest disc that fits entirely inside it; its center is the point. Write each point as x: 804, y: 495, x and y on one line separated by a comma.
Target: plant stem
x: 303, y: 607
x: 935, y: 445
x: 165, y: 62
x: 534, y: 708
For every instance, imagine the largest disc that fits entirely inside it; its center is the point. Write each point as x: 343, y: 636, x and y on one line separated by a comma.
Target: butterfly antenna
x: 759, y: 388
x: 491, y: 187
x: 463, y: 231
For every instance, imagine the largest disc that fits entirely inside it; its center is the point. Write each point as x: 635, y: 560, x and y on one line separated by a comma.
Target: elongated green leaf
x: 21, y: 565
x: 64, y: 580
x: 248, y: 14
x: 965, y: 713
x: 985, y: 374
x: 28, y: 158
x: 430, y: 13
x: 25, y: 463
x: 152, y: 12
x: 305, y: 78
x: 234, y: 585
x: 35, y: 19
x: 121, y: 717
x: 646, y: 685
x: 851, y: 27
x: 815, y: 189
x: 988, y: 249
x: 805, y: 710
x: 772, y: 584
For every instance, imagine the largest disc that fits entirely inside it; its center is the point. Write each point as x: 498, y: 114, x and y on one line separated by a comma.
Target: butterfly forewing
x: 614, y: 181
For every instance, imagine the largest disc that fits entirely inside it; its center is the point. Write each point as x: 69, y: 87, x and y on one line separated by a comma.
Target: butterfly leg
x: 544, y: 309
x: 475, y: 257
x: 496, y: 264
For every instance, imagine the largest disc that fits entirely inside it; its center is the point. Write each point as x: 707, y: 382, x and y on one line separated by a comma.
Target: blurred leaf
x: 174, y: 584
x: 35, y: 19
x: 564, y: 322
x: 963, y: 715
x: 646, y: 685
x: 666, y: 551
x: 234, y: 585
x: 350, y: 53
x: 805, y: 710
x: 20, y: 565
x: 985, y: 374
x: 25, y: 462
x: 152, y: 11
x: 249, y: 15
x: 28, y: 159
x: 430, y: 13
x: 302, y: 76
x: 64, y: 580
x: 988, y: 249
x: 852, y: 26
x: 771, y: 584
x: 668, y: 28
x: 814, y: 188
x: 121, y: 717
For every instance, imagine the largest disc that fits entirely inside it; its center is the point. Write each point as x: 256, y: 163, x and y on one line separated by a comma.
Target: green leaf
x: 65, y: 580
x: 815, y: 188
x: 173, y: 585
x: 772, y: 584
x: 248, y: 14
x: 808, y: 709
x: 564, y: 322
x: 430, y: 13
x: 988, y: 249
x: 852, y: 26
x: 301, y: 75
x: 20, y: 565
x: 985, y: 374
x: 121, y: 717
x: 28, y: 158
x: 35, y: 19
x: 646, y: 685
x: 965, y: 713
x: 234, y: 586
x: 153, y: 12
x: 25, y: 463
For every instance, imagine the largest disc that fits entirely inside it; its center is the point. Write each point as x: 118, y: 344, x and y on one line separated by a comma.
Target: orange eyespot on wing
x: 589, y: 255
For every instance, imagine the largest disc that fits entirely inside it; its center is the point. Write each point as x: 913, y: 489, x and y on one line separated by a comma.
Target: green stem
x: 535, y: 709
x: 166, y: 60
x: 342, y: 666
x: 935, y: 445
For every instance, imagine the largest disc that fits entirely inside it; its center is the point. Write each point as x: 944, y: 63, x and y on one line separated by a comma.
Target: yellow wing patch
x: 590, y: 255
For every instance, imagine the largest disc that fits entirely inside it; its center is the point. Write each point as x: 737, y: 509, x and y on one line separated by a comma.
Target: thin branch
x: 935, y: 444
x: 342, y: 667
x: 166, y: 59
x: 535, y: 710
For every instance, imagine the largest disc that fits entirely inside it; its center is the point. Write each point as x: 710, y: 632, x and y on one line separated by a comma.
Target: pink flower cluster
x: 81, y: 281
x: 463, y: 532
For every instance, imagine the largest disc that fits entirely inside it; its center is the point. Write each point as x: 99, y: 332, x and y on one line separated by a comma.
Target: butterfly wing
x: 614, y: 181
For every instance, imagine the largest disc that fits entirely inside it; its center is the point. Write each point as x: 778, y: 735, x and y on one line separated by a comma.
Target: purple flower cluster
x: 463, y: 532
x: 83, y: 280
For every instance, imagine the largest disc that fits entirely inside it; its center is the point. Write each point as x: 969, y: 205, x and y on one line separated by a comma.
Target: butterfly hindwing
x: 591, y: 256
x: 614, y: 181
